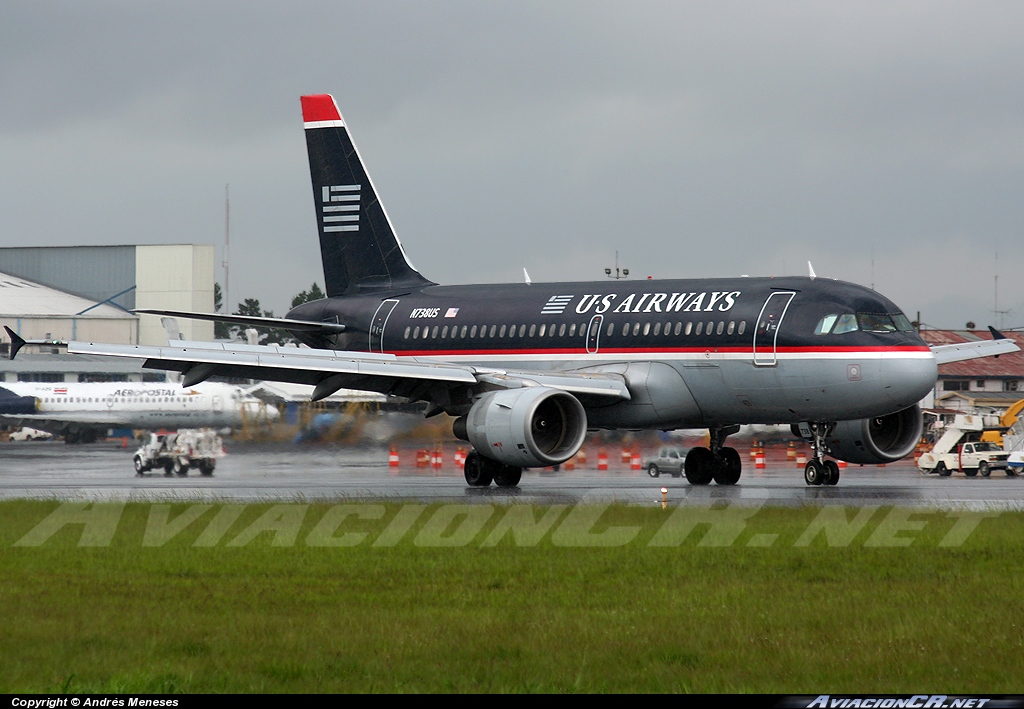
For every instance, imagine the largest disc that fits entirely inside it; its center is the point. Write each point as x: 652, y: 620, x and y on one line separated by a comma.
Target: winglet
x: 17, y: 341
x: 996, y: 335
x: 320, y: 111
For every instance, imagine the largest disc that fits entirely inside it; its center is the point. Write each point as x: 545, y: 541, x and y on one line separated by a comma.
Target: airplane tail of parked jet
x: 357, y: 242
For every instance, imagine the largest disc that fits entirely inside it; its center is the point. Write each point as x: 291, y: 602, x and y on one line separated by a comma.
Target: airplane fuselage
x: 694, y: 352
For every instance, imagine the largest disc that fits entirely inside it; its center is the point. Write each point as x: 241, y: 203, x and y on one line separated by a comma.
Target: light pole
x: 623, y: 273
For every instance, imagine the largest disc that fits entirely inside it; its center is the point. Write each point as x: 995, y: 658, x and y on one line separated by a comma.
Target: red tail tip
x: 320, y: 107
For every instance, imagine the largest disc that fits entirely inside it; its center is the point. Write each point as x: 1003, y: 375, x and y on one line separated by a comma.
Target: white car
x: 30, y: 434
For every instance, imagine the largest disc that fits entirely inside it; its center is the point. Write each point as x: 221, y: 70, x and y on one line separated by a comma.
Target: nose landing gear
x: 819, y: 471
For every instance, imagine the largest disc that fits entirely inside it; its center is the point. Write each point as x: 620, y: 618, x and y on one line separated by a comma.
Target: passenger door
x: 766, y: 332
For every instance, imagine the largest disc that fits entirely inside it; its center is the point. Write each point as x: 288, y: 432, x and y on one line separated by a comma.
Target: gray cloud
x: 882, y: 141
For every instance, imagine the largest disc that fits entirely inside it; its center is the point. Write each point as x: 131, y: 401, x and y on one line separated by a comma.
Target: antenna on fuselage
x: 527, y: 277
x: 810, y: 270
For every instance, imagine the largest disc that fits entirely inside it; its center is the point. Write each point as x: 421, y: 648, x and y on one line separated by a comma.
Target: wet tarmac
x: 287, y: 472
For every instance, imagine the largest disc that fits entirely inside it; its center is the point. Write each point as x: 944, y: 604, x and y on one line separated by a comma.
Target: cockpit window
x: 876, y: 322
x: 824, y: 325
x: 836, y: 324
x: 846, y: 323
x: 902, y: 324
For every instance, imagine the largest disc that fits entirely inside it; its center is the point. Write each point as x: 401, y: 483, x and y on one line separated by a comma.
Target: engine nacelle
x: 882, y: 439
x: 529, y: 427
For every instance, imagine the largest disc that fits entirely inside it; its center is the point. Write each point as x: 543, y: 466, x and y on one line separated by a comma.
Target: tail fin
x: 357, y: 244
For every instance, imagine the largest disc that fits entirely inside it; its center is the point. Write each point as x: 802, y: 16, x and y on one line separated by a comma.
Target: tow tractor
x: 959, y: 449
x: 177, y: 452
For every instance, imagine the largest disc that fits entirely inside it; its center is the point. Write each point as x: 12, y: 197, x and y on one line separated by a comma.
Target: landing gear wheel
x: 831, y: 473
x: 942, y: 470
x: 699, y: 467
x: 814, y: 472
x: 476, y: 470
x: 507, y: 475
x: 984, y: 469
x: 729, y: 467
x: 653, y: 471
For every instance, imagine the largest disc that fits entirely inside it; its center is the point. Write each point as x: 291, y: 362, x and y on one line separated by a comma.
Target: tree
x: 221, y: 330
x: 251, y: 307
x: 313, y: 293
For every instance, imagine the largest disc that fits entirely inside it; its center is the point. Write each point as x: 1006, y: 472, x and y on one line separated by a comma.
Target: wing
x: 960, y: 351
x: 447, y: 386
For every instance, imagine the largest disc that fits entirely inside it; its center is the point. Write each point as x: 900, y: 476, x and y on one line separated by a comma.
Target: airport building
x: 87, y: 293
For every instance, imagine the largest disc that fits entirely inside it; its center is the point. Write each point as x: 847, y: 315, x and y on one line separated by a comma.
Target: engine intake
x: 881, y: 439
x: 529, y: 427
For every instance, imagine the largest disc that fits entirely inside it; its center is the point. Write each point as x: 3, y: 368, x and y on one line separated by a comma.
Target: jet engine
x: 881, y: 439
x: 528, y: 427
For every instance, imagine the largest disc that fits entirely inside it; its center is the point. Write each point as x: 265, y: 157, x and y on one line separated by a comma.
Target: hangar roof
x: 21, y: 298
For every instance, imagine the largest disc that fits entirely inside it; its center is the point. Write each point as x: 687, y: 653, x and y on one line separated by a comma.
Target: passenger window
x: 561, y: 330
x: 433, y: 333
x: 647, y: 328
x: 572, y: 330
x: 689, y: 327
x: 551, y: 329
x: 543, y: 328
x: 462, y: 332
x: 720, y: 328
x: 611, y: 329
x: 657, y: 329
x: 522, y: 330
x: 732, y: 327
x: 625, y: 329
x: 493, y: 329
x: 742, y: 327
x: 444, y: 332
x: 501, y: 332
x: 472, y: 332
x: 533, y: 330
x: 416, y: 333
x: 846, y: 323
x: 407, y: 331
x: 700, y: 326
x: 636, y: 329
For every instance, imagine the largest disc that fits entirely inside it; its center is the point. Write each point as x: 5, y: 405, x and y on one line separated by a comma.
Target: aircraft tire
x: 507, y: 475
x: 831, y: 473
x: 813, y: 472
x: 653, y: 471
x: 477, y: 472
x: 729, y: 467
x: 699, y: 467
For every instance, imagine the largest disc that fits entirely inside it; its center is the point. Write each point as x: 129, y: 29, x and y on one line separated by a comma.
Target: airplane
x: 527, y: 369
x: 84, y: 412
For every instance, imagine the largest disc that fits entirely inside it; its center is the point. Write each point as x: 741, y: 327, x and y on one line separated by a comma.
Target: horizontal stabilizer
x: 250, y: 320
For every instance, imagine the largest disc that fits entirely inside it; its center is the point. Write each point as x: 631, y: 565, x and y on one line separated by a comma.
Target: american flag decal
x: 341, y: 207
x: 556, y: 304
x: 451, y: 313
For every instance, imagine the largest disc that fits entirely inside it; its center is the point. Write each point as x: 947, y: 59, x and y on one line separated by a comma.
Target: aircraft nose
x: 909, y: 380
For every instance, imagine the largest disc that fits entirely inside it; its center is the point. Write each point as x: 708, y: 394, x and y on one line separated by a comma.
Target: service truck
x: 958, y: 449
x: 175, y: 453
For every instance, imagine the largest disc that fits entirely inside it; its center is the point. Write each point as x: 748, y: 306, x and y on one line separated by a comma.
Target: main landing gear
x: 819, y: 471
x: 480, y: 471
x: 718, y: 463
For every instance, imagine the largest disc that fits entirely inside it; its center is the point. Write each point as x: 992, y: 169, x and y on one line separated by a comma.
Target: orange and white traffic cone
x: 759, y: 462
x: 393, y: 458
x: 602, y: 460
x: 634, y: 463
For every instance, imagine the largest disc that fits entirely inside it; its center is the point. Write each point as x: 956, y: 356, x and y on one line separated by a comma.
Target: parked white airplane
x: 83, y: 412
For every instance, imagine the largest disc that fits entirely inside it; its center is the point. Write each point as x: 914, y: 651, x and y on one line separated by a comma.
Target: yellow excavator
x: 1005, y: 421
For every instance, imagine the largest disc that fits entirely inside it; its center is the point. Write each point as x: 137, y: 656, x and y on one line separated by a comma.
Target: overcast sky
x: 883, y: 141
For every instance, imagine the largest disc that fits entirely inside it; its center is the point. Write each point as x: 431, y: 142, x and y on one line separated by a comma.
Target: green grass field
x: 450, y: 598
